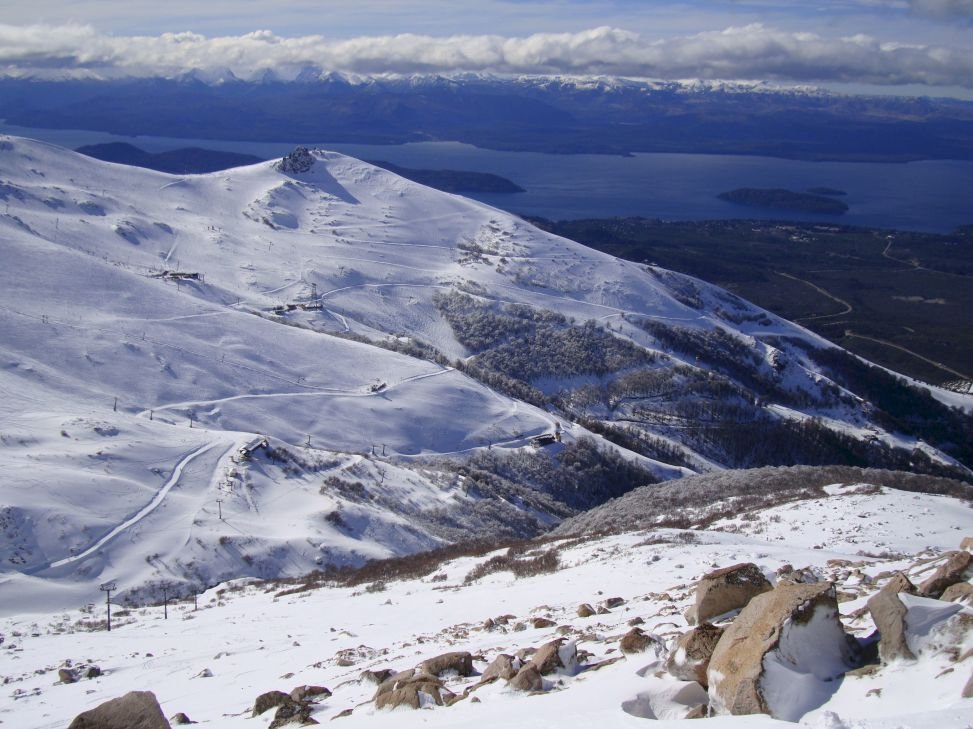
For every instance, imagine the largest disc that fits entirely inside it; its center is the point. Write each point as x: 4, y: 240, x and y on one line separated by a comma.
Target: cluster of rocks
x: 298, y: 161
x: 794, y: 629
x: 750, y: 641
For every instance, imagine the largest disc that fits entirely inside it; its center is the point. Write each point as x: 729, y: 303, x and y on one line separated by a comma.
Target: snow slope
x: 244, y: 640
x: 151, y: 325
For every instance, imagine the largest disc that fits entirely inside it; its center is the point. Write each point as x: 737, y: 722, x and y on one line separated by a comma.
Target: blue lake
x: 934, y: 195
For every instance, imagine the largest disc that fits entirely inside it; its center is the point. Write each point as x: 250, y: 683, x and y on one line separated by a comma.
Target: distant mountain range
x: 542, y: 114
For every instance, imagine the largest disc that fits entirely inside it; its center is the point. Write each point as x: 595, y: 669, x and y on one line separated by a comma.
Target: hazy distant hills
x: 189, y: 160
x: 542, y: 114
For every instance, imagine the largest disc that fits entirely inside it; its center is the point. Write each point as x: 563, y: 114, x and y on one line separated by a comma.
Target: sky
x: 922, y: 46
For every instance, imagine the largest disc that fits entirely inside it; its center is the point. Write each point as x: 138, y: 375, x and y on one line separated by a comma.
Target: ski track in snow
x: 141, y: 514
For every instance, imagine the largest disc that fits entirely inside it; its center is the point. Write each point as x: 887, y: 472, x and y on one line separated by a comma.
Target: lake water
x: 934, y: 196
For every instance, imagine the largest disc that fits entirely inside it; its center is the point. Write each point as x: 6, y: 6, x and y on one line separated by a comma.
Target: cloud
x: 747, y: 52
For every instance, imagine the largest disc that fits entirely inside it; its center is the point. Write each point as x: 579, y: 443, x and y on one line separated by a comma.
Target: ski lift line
x: 144, y: 511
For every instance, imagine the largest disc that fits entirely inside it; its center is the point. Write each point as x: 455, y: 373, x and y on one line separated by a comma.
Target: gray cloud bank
x: 749, y: 52
x: 943, y: 8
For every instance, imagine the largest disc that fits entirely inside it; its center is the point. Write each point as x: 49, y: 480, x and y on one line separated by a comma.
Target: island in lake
x: 780, y: 199
x: 189, y: 160
x: 828, y: 191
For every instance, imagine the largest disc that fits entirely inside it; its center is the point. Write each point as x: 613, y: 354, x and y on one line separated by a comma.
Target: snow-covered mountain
x: 313, y: 362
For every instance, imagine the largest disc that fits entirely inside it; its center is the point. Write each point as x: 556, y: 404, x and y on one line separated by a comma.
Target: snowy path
x: 144, y: 512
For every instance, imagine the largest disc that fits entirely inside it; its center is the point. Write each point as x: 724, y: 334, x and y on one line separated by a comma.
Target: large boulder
x: 458, y: 662
x: 134, y: 710
x: 888, y: 613
x: 270, y: 700
x: 691, y: 655
x: 528, y: 679
x: 411, y: 688
x: 726, y: 589
x: 951, y: 571
x: 501, y: 667
x: 554, y: 656
x: 308, y: 692
x: 781, y: 654
x: 960, y: 592
x: 297, y: 713
x: 638, y: 641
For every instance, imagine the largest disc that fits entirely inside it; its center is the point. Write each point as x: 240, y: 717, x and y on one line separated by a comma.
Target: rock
x: 67, y: 675
x: 967, y: 543
x: 636, y: 641
x: 308, y: 692
x: 539, y: 623
x: 342, y: 714
x: 968, y: 688
x: 300, y: 160
x: 413, y: 694
x: 614, y: 602
x: 180, y: 718
x: 376, y: 677
x: 948, y: 573
x: 501, y: 667
x: 134, y: 710
x: 888, y: 614
x: 407, y: 688
x: 528, y: 679
x: 553, y: 656
x: 726, y: 589
x: 459, y: 662
x: 960, y: 592
x: 585, y: 610
x: 91, y: 672
x: 270, y: 700
x: 700, y: 711
x: 296, y: 713
x: 690, y: 657
x: 785, y: 638
x: 635, y: 621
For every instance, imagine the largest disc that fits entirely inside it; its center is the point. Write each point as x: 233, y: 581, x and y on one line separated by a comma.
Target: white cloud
x: 752, y: 51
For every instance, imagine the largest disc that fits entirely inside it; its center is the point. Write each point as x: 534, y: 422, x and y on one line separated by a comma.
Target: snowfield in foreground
x: 248, y: 639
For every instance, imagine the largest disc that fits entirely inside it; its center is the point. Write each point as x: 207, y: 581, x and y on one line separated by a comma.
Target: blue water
x: 934, y: 196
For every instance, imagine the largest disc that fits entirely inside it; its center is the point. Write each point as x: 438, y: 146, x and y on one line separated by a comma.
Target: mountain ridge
x: 397, y: 347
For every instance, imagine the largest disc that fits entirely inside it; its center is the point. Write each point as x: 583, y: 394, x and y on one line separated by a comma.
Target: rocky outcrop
x: 726, y: 589
x: 888, y: 613
x: 690, y: 657
x: 528, y: 679
x: 411, y: 688
x: 554, y: 656
x: 501, y: 667
x: 298, y: 161
x: 948, y: 573
x: 960, y: 592
x: 638, y: 641
x: 270, y: 700
x: 297, y: 713
x: 458, y: 662
x: 309, y: 693
x: 785, y: 638
x: 134, y: 710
